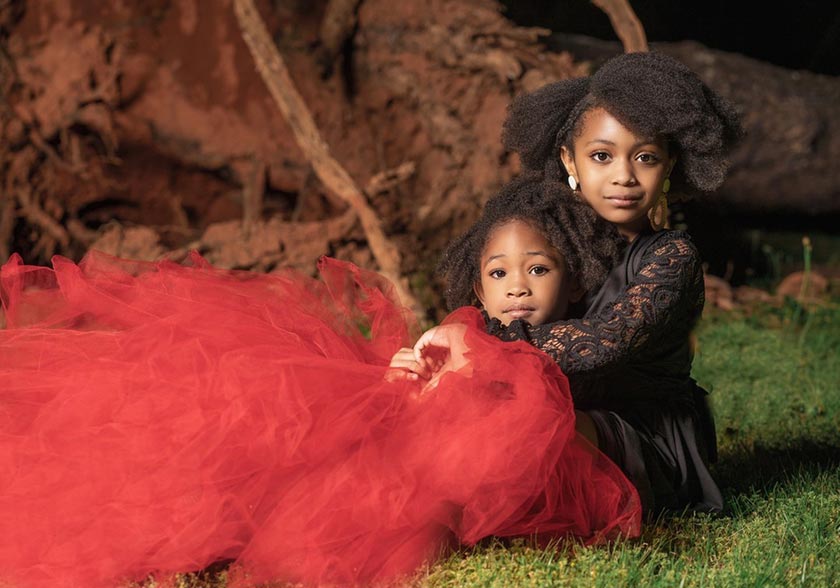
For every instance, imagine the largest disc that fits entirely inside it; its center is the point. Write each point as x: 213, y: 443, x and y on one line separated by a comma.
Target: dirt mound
x: 127, y: 115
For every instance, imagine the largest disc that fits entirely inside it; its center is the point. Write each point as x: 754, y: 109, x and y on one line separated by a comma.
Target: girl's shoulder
x: 659, y: 257
x: 667, y: 236
x: 666, y: 250
x: 670, y: 243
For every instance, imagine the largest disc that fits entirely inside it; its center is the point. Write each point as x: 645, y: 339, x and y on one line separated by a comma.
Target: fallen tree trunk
x: 787, y: 162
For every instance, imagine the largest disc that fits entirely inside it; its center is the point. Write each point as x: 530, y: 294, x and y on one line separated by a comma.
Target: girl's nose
x: 518, y: 287
x: 624, y: 175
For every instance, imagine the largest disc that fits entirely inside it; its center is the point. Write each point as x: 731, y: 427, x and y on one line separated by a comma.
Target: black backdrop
x: 799, y: 34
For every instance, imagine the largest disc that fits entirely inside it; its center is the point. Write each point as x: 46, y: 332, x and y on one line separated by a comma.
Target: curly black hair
x: 590, y: 245
x: 651, y: 94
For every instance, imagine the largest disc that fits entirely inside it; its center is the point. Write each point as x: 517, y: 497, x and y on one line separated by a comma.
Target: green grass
x: 774, y: 377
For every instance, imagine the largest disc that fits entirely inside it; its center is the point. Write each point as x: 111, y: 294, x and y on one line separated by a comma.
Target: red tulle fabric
x: 158, y: 417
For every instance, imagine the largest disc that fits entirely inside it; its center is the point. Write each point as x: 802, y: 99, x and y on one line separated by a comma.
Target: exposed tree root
x: 625, y: 24
x: 276, y: 76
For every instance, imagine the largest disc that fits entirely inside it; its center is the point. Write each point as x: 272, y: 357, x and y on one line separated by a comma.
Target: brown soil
x: 133, y: 127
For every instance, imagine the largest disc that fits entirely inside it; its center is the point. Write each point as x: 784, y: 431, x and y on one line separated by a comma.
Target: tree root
x: 276, y: 76
x: 625, y: 24
x: 32, y: 212
x: 390, y: 178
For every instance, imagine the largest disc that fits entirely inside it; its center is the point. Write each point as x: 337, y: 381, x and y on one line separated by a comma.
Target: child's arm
x: 667, y: 294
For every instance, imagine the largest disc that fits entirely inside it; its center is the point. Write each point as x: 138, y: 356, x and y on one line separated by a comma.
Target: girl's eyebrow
x: 540, y: 252
x: 635, y: 145
x: 493, y: 258
x: 529, y: 253
x: 599, y: 141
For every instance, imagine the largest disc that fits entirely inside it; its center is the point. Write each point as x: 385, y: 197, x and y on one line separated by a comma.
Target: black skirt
x: 664, y: 449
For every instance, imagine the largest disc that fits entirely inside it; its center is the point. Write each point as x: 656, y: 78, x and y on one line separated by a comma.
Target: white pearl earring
x: 573, y: 183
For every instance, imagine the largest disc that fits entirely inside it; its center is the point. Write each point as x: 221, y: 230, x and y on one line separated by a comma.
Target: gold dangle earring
x: 658, y: 215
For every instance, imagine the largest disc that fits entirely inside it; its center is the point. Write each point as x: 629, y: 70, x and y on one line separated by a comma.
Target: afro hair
x: 590, y: 245
x: 651, y: 94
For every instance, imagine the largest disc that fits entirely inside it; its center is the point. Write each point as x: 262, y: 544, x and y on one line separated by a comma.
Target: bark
x: 787, y: 162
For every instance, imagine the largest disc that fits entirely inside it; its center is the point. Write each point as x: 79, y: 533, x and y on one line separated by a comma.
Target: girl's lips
x: 624, y: 201
x: 518, y: 313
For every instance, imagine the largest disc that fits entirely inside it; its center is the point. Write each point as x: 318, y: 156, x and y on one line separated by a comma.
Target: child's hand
x: 438, y: 347
x: 447, y: 338
x: 406, y: 366
x: 443, y: 348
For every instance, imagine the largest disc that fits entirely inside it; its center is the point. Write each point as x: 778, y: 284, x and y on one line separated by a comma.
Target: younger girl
x: 511, y: 264
x: 159, y: 418
x: 623, y: 139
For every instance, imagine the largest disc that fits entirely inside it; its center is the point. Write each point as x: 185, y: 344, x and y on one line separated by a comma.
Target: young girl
x: 640, y: 128
x: 510, y: 263
x: 159, y: 418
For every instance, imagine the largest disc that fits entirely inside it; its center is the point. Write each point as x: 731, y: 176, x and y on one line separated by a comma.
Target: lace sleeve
x: 664, y: 300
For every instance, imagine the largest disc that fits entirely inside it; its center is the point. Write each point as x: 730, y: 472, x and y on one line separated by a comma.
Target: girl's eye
x: 600, y: 156
x: 539, y: 270
x: 647, y: 158
x: 497, y: 274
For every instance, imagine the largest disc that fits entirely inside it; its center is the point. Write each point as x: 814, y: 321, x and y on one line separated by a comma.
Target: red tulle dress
x: 158, y: 417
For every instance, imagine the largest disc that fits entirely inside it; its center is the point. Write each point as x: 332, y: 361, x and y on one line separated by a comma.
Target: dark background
x: 800, y: 35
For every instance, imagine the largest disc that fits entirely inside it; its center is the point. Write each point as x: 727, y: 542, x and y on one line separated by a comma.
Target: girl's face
x: 620, y: 174
x: 523, y: 276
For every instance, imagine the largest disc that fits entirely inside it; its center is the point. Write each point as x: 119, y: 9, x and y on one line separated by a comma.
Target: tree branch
x: 36, y: 215
x: 625, y: 24
x: 276, y: 76
x: 390, y: 178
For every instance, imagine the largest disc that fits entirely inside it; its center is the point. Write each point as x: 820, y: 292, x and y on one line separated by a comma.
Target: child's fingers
x: 416, y: 367
x: 402, y: 356
x: 445, y: 337
x: 422, y: 369
x: 433, y: 337
x: 422, y: 343
x: 400, y: 375
x: 404, y: 359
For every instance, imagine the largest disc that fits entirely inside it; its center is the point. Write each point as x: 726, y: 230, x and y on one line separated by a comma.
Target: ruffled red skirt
x: 157, y: 418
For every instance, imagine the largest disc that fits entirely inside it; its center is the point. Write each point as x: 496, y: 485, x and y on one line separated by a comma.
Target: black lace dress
x: 629, y: 362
